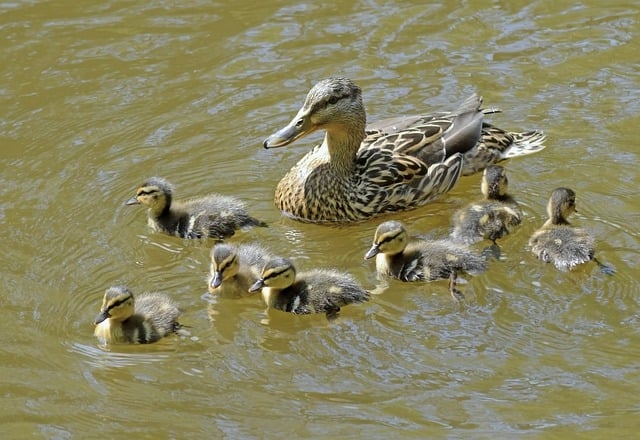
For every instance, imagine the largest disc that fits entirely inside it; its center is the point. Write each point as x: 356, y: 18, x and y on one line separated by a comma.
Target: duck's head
x: 390, y: 238
x: 562, y: 204
x: 333, y: 104
x: 278, y: 273
x: 156, y: 193
x: 224, y: 264
x: 118, y: 304
x: 494, y: 182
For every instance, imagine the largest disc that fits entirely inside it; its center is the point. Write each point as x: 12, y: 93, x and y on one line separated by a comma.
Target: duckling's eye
x: 333, y: 100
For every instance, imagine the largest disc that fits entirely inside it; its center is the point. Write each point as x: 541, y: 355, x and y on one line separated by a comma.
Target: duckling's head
x: 494, y: 182
x: 118, y: 304
x: 390, y: 238
x: 224, y: 264
x: 278, y: 273
x: 332, y: 104
x: 156, y: 193
x: 562, y: 204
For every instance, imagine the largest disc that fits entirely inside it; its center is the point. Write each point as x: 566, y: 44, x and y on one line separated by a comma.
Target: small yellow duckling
x: 149, y: 318
x: 213, y: 215
x: 560, y: 243
x: 314, y: 291
x: 235, y: 268
x: 413, y: 259
x: 491, y: 218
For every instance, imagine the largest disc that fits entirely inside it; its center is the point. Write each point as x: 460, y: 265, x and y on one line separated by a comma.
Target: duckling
x: 235, y: 268
x: 491, y: 218
x: 413, y: 259
x: 315, y: 291
x: 122, y: 319
x: 397, y: 164
x: 560, y: 243
x: 213, y: 215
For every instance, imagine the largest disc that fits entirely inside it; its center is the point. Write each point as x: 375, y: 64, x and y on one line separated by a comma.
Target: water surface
x: 98, y: 96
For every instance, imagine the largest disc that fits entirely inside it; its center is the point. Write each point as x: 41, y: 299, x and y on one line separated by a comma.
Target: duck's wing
x: 430, y: 138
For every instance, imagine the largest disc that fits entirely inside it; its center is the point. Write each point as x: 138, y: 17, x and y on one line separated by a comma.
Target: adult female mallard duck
x: 314, y: 291
x: 235, y: 268
x: 213, y: 215
x: 560, y: 243
x: 413, y: 259
x: 491, y: 218
x: 396, y: 164
x: 148, y: 318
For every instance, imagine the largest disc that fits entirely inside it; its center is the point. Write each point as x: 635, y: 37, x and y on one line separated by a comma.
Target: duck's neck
x: 557, y: 219
x: 343, y: 144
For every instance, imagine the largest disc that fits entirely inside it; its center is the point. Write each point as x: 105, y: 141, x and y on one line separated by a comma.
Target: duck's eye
x: 333, y: 100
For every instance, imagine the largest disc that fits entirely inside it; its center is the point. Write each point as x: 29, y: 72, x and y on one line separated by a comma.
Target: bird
x: 145, y: 319
x: 214, y: 215
x: 235, y: 268
x: 493, y: 217
x: 313, y: 291
x: 396, y: 164
x: 415, y: 259
x: 560, y: 243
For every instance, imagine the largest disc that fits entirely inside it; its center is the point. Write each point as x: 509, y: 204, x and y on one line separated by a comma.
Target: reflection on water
x: 99, y: 96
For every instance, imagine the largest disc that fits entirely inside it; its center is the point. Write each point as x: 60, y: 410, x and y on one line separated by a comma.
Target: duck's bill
x: 132, y: 201
x: 297, y: 128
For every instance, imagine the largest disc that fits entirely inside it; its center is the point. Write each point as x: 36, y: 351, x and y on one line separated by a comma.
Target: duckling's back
x: 563, y: 245
x: 439, y: 258
x: 215, y: 215
x: 156, y: 316
x: 487, y: 219
x: 320, y: 291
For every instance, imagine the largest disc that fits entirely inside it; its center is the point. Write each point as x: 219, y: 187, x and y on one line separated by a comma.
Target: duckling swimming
x: 235, y: 268
x: 491, y: 218
x: 414, y: 259
x: 146, y: 319
x: 314, y: 291
x: 213, y: 215
x: 359, y: 172
x: 560, y: 243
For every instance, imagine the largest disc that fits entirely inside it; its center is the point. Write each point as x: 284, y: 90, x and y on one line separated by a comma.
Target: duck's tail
x: 525, y: 143
x: 497, y: 144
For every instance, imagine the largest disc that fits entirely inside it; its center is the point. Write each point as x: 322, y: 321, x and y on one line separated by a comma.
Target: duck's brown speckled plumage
x: 392, y: 165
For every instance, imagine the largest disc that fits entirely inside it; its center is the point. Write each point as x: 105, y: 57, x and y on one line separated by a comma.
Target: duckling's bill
x: 259, y: 284
x: 102, y: 316
x: 375, y: 250
x: 216, y: 280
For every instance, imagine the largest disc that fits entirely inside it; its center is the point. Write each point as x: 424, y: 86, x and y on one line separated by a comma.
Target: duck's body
x: 491, y: 218
x: 148, y: 318
x: 213, y: 215
x: 394, y: 165
x: 314, y: 291
x: 557, y: 241
x: 234, y: 269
